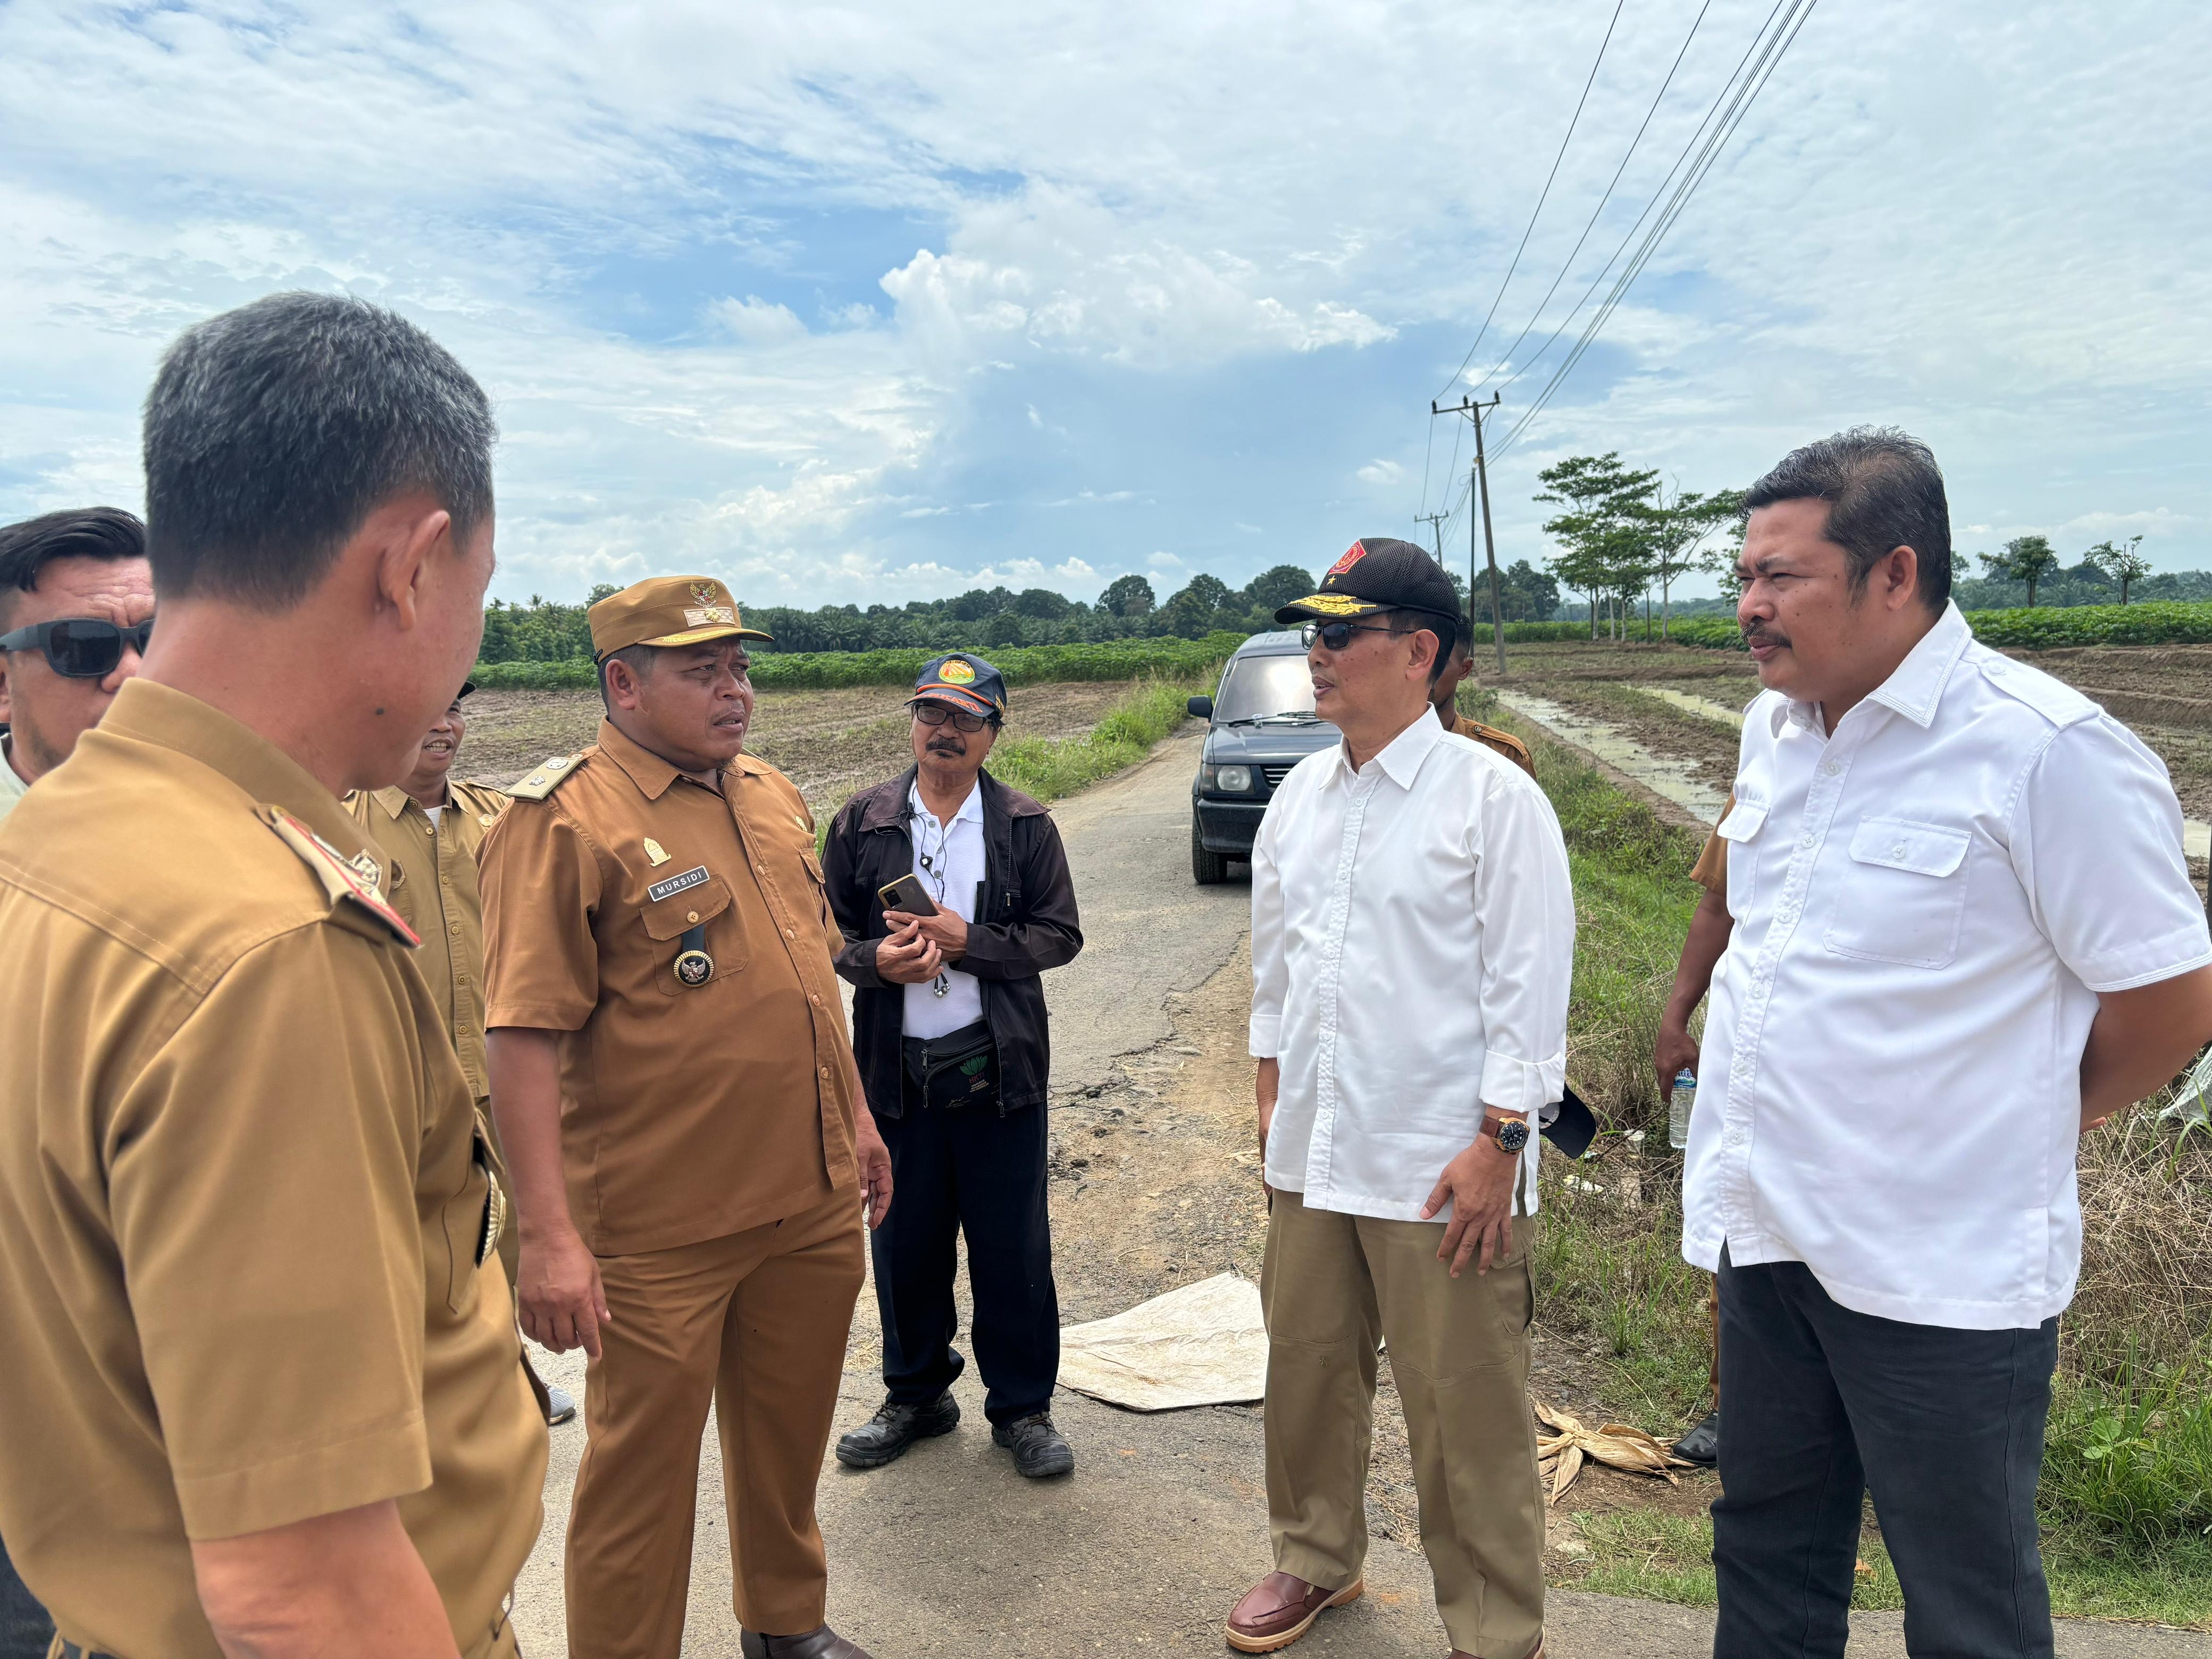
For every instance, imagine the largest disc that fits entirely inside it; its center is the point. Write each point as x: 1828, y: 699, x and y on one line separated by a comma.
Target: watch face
x: 1512, y: 1135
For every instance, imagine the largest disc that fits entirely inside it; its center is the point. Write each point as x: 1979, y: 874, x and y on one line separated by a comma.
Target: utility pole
x: 1435, y: 522
x: 1479, y: 482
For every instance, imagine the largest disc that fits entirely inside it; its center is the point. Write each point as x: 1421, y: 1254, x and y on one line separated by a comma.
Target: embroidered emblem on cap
x: 1353, y: 555
x: 956, y: 672
x: 701, y: 615
x: 1333, y: 604
x: 704, y: 592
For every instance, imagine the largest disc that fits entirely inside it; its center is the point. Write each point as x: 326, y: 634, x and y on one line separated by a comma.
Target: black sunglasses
x: 936, y: 713
x: 80, y: 648
x: 1335, y: 635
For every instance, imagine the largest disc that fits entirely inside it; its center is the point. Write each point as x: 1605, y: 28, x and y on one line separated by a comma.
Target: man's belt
x: 71, y: 1650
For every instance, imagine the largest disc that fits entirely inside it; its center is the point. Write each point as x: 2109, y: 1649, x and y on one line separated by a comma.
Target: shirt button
x: 825, y: 1071
x: 1898, y: 851
x: 787, y: 934
x: 1809, y: 840
x: 690, y: 915
x: 455, y: 930
x: 813, y: 999
x: 1736, y: 1137
x: 1830, y: 768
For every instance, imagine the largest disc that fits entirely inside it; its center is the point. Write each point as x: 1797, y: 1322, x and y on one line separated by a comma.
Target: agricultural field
x: 829, y: 742
x: 1678, y: 706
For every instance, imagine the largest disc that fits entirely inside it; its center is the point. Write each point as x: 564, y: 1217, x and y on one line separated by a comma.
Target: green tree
x: 1679, y: 531
x: 1191, y: 611
x: 2026, y: 559
x: 1127, y: 596
x: 1606, y: 533
x: 1271, y: 590
x: 1005, y: 629
x: 1042, y: 603
x: 2123, y: 563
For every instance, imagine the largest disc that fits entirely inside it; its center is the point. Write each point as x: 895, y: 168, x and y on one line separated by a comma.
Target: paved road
x: 948, y: 1554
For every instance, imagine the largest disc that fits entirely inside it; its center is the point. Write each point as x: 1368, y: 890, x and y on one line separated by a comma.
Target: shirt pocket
x: 666, y: 921
x: 1903, y: 895
x: 1739, y: 832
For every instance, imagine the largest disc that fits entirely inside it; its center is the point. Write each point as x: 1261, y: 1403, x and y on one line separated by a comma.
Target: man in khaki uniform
x: 684, y: 1127
x: 273, y: 1401
x: 429, y: 829
x: 1443, y: 698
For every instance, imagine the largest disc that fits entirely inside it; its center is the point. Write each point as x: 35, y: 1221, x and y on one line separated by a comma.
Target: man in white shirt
x: 77, y: 608
x: 1963, y: 932
x: 1412, y: 941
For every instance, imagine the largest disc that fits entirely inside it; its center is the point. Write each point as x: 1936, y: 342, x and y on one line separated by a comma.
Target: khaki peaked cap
x: 668, y: 611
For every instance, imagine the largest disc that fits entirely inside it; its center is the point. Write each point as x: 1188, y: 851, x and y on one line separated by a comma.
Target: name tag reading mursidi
x: 675, y: 884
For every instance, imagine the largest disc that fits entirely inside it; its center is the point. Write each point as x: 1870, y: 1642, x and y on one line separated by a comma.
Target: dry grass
x: 2145, y: 1291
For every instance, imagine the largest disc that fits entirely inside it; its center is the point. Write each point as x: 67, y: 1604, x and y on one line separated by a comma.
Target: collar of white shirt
x: 971, y: 810
x: 1400, y: 759
x: 1915, y: 686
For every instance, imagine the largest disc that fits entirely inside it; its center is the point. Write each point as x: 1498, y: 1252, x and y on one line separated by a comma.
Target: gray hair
x: 273, y: 430
x: 1884, y: 491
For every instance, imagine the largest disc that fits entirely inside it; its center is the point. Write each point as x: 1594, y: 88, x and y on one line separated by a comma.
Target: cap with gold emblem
x: 1376, y: 573
x: 668, y: 611
x: 965, y: 681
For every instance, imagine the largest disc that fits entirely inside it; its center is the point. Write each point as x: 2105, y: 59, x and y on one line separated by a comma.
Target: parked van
x: 1262, y: 724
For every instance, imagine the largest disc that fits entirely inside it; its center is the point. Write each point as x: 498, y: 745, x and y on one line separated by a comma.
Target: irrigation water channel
x: 1676, y: 780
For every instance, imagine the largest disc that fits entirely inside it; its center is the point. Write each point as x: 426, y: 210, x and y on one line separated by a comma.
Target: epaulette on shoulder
x: 2049, y: 696
x: 547, y: 778
x: 1504, y: 741
x: 354, y: 885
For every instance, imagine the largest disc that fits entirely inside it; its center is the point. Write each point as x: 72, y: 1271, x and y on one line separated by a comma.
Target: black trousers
x: 1944, y: 1426
x: 972, y: 1172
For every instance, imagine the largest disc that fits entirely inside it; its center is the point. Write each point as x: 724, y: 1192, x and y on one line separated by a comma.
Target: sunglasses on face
x: 936, y: 713
x: 1337, y: 634
x: 80, y: 648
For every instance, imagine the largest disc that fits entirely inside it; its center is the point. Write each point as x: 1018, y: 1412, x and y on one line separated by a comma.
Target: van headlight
x: 1229, y: 779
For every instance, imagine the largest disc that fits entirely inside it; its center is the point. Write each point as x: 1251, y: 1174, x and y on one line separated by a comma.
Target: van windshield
x: 1258, y: 688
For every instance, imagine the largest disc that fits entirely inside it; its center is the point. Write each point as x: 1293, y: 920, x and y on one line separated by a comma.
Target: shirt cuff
x: 1512, y: 1084
x: 1266, y: 1036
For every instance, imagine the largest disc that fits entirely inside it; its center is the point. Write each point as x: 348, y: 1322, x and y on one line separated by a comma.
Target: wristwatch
x: 1512, y: 1133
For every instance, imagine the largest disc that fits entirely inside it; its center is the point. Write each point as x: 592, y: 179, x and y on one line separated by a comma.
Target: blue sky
x: 853, y: 303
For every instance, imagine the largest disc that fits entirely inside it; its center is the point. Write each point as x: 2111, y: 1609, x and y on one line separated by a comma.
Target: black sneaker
x: 1039, y: 1449
x: 1701, y: 1445
x: 886, y: 1436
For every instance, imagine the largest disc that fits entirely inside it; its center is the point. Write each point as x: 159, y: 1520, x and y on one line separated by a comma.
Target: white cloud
x: 1382, y: 472
x: 756, y: 322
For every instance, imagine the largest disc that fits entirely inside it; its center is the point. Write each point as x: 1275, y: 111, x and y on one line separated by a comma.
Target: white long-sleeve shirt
x: 1927, y: 902
x: 1412, y: 946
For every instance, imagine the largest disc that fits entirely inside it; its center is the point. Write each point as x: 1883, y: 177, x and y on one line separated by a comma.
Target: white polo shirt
x: 1412, y: 947
x: 1926, y: 905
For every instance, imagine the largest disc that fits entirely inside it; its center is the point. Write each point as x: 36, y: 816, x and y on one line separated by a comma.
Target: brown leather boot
x: 1280, y: 1608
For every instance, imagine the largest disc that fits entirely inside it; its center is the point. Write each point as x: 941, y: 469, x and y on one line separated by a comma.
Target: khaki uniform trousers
x: 1336, y: 1286
x: 754, y: 1322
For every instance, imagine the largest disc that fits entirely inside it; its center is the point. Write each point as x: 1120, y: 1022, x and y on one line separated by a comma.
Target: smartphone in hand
x: 908, y: 895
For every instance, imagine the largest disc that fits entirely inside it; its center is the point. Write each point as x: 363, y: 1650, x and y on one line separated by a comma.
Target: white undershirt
x: 432, y: 813
x: 948, y: 861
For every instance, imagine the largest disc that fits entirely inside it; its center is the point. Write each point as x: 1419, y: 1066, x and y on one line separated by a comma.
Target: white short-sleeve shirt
x: 948, y: 860
x: 1412, y: 947
x: 1926, y: 905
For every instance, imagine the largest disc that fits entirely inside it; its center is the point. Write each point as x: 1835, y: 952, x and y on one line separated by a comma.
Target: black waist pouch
x: 960, y: 1068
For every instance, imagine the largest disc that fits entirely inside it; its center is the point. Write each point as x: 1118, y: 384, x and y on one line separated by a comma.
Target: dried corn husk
x: 1564, y: 1443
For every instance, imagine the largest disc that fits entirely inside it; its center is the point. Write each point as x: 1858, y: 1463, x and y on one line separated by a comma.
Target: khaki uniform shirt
x: 241, y: 1206
x: 687, y: 1112
x: 11, y: 786
x: 1490, y: 738
x: 431, y: 880
x: 1711, y: 870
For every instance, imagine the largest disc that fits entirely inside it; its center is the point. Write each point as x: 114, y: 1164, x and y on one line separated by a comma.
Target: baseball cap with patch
x: 964, y: 681
x: 668, y: 611
x: 1377, y: 573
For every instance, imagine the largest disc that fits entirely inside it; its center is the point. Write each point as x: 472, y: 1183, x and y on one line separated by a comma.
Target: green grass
x: 1033, y: 665
x: 1049, y: 767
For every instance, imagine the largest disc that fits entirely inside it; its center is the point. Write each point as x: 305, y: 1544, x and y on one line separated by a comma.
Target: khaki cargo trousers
x: 755, y: 1323
x: 1334, y: 1288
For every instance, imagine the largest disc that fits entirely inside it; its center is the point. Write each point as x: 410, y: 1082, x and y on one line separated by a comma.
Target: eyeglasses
x: 80, y: 648
x: 936, y: 713
x: 1335, y: 635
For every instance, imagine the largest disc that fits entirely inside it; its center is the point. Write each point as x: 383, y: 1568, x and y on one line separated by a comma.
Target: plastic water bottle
x: 1678, y: 1108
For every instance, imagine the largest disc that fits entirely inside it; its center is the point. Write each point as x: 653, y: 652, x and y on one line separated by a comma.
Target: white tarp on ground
x: 1204, y: 1345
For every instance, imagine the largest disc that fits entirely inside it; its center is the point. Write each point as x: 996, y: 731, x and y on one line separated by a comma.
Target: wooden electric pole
x: 1435, y: 522
x: 1479, y: 481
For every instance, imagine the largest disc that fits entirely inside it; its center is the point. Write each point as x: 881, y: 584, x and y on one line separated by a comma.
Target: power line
x: 1568, y: 264
x: 1768, y: 60
x: 1540, y: 199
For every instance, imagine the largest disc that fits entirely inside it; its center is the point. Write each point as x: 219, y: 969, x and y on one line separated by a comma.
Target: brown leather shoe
x: 1279, y: 1610
x: 820, y: 1644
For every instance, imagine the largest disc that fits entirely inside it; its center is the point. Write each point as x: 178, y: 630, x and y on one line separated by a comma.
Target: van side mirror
x: 1201, y: 709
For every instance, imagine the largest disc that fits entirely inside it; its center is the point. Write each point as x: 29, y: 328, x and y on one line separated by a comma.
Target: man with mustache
x: 429, y: 828
x: 1963, y: 932
x: 686, y: 1135
x: 954, y: 1047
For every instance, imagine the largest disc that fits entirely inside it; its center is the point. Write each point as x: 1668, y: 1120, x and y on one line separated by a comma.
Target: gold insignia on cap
x: 705, y: 592
x: 653, y: 851
x: 956, y: 672
x: 1336, y: 605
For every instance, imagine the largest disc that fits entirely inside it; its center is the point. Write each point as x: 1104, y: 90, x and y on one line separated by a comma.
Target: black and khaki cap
x: 1377, y: 573
x: 668, y: 611
x: 965, y: 682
